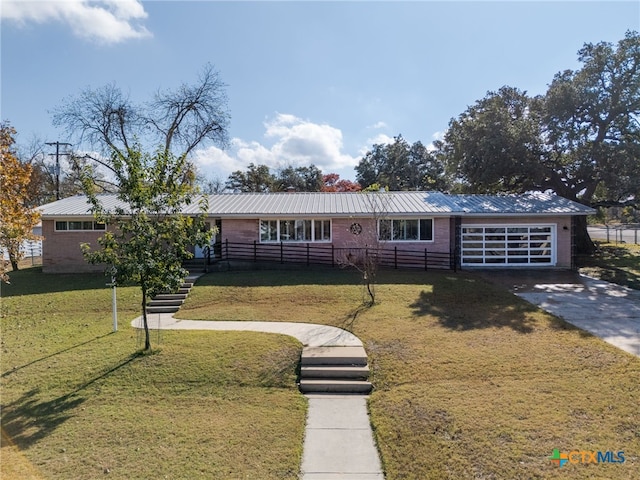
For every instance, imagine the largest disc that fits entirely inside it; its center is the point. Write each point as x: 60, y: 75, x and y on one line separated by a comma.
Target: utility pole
x: 57, y: 154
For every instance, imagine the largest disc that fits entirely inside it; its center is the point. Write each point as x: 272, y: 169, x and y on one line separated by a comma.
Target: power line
x: 57, y: 154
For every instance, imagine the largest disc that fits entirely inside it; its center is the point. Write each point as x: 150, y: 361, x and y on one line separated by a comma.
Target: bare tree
x: 369, y: 238
x: 209, y: 185
x: 173, y: 122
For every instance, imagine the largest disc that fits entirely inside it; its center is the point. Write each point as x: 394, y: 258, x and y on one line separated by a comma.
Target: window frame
x: 303, y: 230
x: 85, y: 226
x: 393, y: 226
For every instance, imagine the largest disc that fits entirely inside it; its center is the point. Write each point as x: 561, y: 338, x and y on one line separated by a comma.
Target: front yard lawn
x: 470, y: 381
x: 617, y: 263
x: 80, y: 402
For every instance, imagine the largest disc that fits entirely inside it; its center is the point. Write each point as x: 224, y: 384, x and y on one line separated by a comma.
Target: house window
x: 406, y: 230
x: 268, y: 230
x: 78, y: 225
x: 295, y: 230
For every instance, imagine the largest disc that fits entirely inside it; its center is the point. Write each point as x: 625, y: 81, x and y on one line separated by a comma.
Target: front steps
x: 171, y: 302
x: 195, y: 266
x: 334, y: 370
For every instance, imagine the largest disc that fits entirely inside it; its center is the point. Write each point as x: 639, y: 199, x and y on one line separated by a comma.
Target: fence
x: 31, y: 249
x: 323, y: 254
x: 626, y: 233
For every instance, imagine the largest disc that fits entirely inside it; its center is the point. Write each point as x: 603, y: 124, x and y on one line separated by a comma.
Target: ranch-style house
x: 403, y: 229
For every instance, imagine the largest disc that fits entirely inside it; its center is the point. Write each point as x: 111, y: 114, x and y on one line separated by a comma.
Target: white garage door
x: 508, y: 245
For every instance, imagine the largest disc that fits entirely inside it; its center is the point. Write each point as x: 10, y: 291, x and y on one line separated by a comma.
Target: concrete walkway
x: 338, y: 440
x: 607, y: 310
x: 309, y: 334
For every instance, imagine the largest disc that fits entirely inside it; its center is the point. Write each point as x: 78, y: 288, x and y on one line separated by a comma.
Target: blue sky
x: 308, y: 82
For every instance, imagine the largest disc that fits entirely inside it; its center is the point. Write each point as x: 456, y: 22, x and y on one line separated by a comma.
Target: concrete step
x: 156, y: 302
x: 166, y: 309
x: 335, y: 386
x: 194, y: 267
x: 171, y: 302
x: 170, y: 296
x: 340, y: 372
x: 351, y: 356
x: 182, y: 290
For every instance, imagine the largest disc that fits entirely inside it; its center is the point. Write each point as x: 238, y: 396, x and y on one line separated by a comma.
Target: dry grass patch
x: 470, y: 381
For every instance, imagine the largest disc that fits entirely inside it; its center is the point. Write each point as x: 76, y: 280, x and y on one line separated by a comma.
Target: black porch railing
x: 327, y: 254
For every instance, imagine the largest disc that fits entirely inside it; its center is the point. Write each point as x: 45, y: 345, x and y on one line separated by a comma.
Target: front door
x: 200, y: 252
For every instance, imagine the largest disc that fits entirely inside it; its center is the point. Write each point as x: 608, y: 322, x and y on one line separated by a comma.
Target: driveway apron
x: 607, y: 310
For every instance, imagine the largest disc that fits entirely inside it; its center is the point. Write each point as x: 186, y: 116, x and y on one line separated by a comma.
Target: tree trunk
x: 370, y: 291
x: 14, y: 262
x: 584, y: 244
x: 147, y: 340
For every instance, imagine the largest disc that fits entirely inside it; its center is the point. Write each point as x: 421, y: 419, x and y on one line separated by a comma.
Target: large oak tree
x: 581, y: 139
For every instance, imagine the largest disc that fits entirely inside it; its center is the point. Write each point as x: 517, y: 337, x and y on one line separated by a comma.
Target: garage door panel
x: 515, y: 245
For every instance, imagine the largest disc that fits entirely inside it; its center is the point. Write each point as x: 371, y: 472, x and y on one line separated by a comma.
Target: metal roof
x: 329, y: 203
x: 535, y: 203
x: 77, y: 206
x: 340, y: 204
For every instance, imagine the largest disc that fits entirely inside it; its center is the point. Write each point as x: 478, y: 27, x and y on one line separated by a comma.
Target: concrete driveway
x: 607, y: 310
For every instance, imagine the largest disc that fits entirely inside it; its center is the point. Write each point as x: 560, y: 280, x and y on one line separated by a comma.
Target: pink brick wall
x: 239, y: 230
x: 61, y: 250
x: 342, y: 236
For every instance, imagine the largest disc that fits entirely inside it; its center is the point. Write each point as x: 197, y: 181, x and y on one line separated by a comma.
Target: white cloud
x: 213, y: 159
x: 292, y: 141
x: 380, y: 139
x: 436, y: 136
x: 105, y: 21
x: 378, y: 125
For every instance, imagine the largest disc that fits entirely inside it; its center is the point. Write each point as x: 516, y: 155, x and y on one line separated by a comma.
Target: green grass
x: 617, y: 263
x: 470, y: 381
x: 79, y: 401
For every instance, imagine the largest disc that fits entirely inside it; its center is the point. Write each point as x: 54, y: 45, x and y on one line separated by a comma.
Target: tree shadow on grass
x: 46, y: 357
x: 467, y: 304
x: 612, y: 263
x: 275, y: 275
x: 32, y: 417
x: 32, y: 281
x: 349, y: 320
